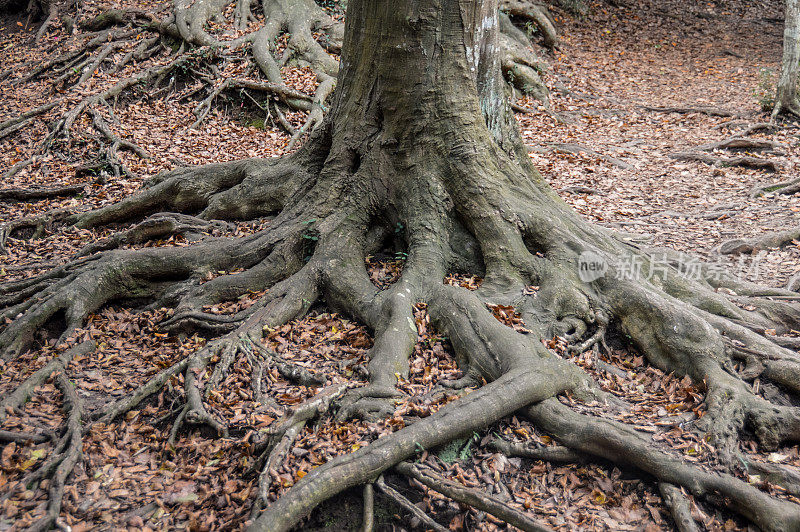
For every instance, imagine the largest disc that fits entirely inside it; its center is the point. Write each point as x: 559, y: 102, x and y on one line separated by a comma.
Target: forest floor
x: 600, y: 143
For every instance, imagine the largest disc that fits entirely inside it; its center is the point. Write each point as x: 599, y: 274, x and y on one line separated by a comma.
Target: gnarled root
x: 536, y: 13
x: 67, y: 451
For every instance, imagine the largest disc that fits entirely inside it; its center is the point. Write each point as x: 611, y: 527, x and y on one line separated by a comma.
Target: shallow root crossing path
x: 420, y: 146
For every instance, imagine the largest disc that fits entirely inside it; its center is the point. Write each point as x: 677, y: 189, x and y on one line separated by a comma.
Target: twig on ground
x: 771, y: 165
x: 395, y: 495
x: 472, y: 497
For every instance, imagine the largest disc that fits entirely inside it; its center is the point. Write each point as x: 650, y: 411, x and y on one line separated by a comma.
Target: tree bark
x: 786, y: 100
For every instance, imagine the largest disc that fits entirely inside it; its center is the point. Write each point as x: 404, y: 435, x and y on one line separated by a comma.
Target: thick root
x: 623, y: 445
x: 775, y: 239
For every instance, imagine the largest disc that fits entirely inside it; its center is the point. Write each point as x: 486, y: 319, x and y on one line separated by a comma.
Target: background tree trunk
x: 786, y: 100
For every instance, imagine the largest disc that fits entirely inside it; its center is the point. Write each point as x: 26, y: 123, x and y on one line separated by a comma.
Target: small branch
x: 706, y: 110
x: 471, y: 497
x: 409, y: 506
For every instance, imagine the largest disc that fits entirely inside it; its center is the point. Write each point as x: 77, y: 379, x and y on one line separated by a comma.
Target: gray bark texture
x: 786, y: 100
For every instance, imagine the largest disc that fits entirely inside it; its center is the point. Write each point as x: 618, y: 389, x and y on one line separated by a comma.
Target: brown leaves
x: 508, y: 316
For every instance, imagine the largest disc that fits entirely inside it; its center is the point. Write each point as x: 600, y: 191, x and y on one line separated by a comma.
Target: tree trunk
x: 420, y: 147
x: 786, y: 100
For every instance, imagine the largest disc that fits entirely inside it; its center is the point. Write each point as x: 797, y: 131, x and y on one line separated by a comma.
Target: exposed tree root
x: 775, y: 239
x: 67, y: 459
x: 772, y: 165
x: 471, y: 497
x: 678, y: 505
x: 536, y: 13
x: 522, y: 69
x: 739, y: 143
x: 22, y: 393
x: 768, y: 127
x: 368, y: 514
x: 313, y: 36
x: 10, y: 126
x: 791, y: 186
x: 433, y: 166
x: 621, y: 444
x: 295, y: 97
x: 280, y: 438
x: 36, y: 224
x: 409, y: 506
x: 700, y: 109
x: 485, y: 347
x: 67, y: 450
x: 550, y: 453
x: 23, y: 437
x: 26, y: 194
x: 790, y: 108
